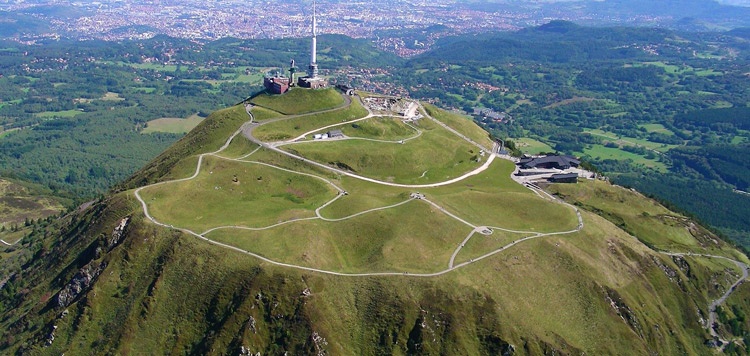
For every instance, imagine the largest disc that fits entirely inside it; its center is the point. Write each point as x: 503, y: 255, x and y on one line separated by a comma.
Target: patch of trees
x: 619, y: 78
x: 730, y: 164
x: 725, y: 119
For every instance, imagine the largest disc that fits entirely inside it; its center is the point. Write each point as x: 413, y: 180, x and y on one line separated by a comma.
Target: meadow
x: 236, y: 193
x: 299, y: 101
x: 462, y: 124
x: 378, y: 128
x: 646, y: 219
x: 531, y: 146
x: 228, y: 194
x: 412, y: 238
x: 433, y: 157
x: 293, y: 127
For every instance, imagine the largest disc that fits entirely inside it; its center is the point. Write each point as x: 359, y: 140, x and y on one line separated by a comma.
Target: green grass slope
x: 20, y: 202
x: 293, y: 127
x: 379, y: 128
x: 236, y: 193
x: 462, y: 124
x: 363, y: 244
x: 299, y: 101
x: 437, y: 155
x: 151, y: 289
x: 208, y: 136
x: 165, y: 292
x: 644, y: 218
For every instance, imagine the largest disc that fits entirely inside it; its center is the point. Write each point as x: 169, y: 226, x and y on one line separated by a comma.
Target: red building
x: 276, y: 85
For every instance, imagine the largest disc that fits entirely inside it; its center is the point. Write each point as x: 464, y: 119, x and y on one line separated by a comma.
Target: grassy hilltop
x: 255, y: 248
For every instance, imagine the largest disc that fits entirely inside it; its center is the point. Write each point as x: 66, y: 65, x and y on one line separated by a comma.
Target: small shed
x: 564, y: 178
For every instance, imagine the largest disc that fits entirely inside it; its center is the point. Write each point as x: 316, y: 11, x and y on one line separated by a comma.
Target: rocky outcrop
x: 320, y: 344
x: 80, y: 283
x: 117, y: 233
x: 250, y: 325
x: 51, y: 336
x: 683, y: 265
x: 85, y: 277
x: 623, y: 310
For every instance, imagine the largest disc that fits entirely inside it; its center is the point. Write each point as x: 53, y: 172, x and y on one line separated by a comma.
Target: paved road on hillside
x: 248, y: 133
x: 246, y: 130
x: 9, y: 244
x: 712, y: 316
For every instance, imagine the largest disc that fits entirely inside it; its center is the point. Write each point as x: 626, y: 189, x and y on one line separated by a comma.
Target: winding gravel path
x: 248, y: 133
x: 712, y: 316
x: 9, y: 244
x: 246, y: 130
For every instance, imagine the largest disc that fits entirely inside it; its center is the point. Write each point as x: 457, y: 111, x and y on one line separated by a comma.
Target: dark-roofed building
x: 564, y: 178
x: 549, y: 162
x: 335, y: 134
x: 345, y: 89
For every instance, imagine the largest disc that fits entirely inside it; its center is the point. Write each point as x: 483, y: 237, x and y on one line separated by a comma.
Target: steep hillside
x: 245, y: 246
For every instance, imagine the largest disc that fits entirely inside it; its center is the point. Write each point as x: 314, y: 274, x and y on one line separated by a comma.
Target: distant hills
x: 663, y: 13
x: 557, y: 41
x: 565, y: 77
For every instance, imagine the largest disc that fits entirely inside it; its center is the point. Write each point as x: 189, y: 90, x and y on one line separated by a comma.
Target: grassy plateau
x: 299, y: 101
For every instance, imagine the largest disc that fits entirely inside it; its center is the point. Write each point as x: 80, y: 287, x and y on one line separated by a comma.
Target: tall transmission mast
x: 313, y: 69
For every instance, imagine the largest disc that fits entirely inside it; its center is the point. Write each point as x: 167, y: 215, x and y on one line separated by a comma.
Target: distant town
x: 384, y: 22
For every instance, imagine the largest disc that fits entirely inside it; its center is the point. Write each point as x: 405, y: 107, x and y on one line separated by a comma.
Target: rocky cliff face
x: 86, y: 276
x: 80, y: 283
